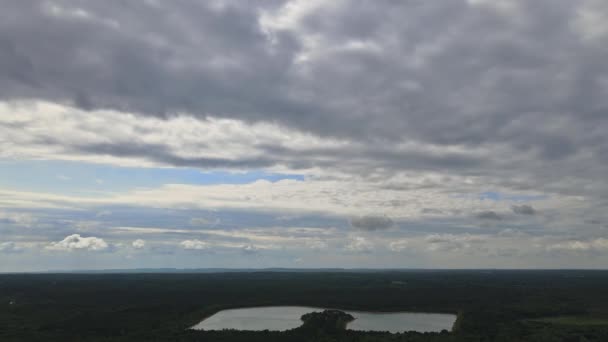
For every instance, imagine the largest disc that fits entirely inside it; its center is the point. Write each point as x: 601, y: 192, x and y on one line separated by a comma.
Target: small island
x: 328, y: 321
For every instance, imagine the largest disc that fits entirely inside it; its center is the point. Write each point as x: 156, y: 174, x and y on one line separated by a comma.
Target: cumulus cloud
x: 194, y: 244
x: 371, y: 223
x: 76, y: 242
x: 523, y: 209
x: 139, y: 244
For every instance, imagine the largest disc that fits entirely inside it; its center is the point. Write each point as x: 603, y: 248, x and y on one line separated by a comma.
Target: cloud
x: 250, y: 249
x: 359, y: 244
x: 454, y: 243
x: 10, y: 247
x: 595, y: 245
x: 523, y: 209
x: 17, y: 218
x: 311, y: 67
x: 103, y: 213
x: 317, y: 245
x: 194, y: 244
x: 399, y: 108
x: 399, y: 245
x: 201, y: 221
x: 371, y: 223
x: 76, y: 242
x: 139, y: 244
x: 31, y: 131
x: 489, y: 215
x: 430, y: 211
x: 593, y: 221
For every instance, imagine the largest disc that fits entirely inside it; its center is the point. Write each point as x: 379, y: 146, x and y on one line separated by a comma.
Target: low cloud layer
x: 371, y: 223
x: 523, y: 209
x: 596, y: 245
x: 489, y: 215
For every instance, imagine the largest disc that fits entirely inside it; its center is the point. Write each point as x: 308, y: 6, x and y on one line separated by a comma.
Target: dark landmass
x: 491, y: 305
x: 326, y: 322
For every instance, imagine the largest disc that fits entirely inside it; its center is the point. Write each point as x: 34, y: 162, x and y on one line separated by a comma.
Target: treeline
x: 492, y: 305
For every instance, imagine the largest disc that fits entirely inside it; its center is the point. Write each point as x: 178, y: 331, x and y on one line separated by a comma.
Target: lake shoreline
x: 366, y: 317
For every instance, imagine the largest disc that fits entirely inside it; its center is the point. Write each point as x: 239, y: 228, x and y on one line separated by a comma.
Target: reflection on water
x: 280, y: 318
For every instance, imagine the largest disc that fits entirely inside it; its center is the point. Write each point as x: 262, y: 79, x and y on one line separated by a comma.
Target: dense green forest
x: 491, y: 305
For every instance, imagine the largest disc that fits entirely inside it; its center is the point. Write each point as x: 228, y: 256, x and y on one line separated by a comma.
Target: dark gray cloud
x: 523, y: 209
x: 149, y: 58
x: 371, y: 223
x: 512, y: 93
x: 445, y: 73
x: 430, y: 211
x: 489, y: 215
x: 593, y: 221
x: 435, y: 72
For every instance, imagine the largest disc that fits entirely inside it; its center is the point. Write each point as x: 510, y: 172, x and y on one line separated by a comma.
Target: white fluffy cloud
x: 194, y: 244
x: 139, y: 244
x: 76, y: 242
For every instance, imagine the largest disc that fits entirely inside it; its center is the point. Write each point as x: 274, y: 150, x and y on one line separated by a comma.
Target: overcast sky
x: 303, y: 133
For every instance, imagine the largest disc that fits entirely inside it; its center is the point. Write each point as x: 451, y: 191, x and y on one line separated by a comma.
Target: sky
x: 303, y: 133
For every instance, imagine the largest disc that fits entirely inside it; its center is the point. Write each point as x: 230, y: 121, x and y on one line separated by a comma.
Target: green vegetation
x: 491, y: 305
x: 328, y: 321
x: 574, y: 320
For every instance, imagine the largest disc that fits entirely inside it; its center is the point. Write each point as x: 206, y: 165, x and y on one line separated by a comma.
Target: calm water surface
x: 282, y: 318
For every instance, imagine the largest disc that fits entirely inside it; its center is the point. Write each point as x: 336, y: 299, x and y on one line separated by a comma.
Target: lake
x: 281, y: 318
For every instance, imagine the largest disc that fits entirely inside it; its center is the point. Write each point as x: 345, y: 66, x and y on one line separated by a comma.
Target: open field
x: 574, y: 320
x: 492, y: 305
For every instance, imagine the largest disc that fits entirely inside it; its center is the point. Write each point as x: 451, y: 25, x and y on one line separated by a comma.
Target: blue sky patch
x: 65, y: 177
x: 498, y: 196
